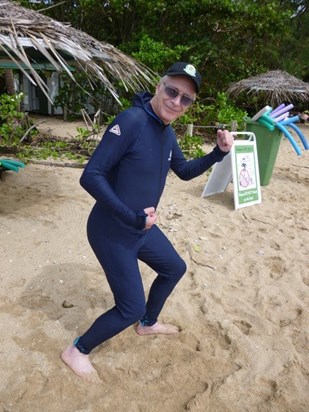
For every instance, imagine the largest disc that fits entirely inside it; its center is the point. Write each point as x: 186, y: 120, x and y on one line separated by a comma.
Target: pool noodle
x: 265, y: 110
x: 302, y: 137
x: 281, y: 117
x: 278, y: 108
x: 267, y: 124
x: 268, y: 119
x: 289, y: 120
x: 285, y: 109
x: 289, y: 136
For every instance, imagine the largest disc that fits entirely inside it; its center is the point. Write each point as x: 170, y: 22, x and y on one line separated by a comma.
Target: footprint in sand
x: 277, y: 267
x: 243, y: 326
x: 306, y: 280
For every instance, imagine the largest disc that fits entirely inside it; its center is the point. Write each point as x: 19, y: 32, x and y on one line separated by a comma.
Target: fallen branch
x: 56, y: 164
x: 30, y: 128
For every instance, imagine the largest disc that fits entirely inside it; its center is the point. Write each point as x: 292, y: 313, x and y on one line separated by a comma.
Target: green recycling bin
x: 267, y: 144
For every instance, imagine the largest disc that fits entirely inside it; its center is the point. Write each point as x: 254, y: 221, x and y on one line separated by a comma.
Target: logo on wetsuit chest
x: 116, y: 130
x: 170, y: 156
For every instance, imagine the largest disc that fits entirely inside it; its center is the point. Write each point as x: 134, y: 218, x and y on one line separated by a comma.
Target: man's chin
x: 170, y: 119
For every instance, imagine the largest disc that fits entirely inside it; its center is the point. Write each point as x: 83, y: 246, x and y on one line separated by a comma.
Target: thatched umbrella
x: 27, y: 35
x: 275, y: 86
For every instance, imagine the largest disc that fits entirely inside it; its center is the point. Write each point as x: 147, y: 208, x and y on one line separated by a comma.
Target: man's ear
x: 159, y: 85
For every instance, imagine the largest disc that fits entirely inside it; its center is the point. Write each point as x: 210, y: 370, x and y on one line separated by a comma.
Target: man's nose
x: 177, y: 99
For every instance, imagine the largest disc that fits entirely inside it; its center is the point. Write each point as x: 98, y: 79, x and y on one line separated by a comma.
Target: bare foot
x: 156, y: 329
x: 80, y: 364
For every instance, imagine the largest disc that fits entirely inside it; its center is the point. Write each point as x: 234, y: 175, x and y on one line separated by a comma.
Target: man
x: 126, y: 176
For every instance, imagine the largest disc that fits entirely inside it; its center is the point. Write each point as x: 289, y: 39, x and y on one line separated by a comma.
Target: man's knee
x: 132, y: 313
x: 179, y: 269
x: 183, y: 267
x: 172, y: 273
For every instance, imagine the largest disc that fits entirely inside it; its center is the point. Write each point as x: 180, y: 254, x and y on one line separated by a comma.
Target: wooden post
x: 234, y: 126
x: 65, y: 113
x: 190, y: 129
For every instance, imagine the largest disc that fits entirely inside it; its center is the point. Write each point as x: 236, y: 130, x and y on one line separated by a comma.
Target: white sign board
x: 220, y: 177
x: 241, y: 166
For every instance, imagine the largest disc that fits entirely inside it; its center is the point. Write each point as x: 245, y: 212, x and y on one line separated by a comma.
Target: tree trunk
x: 9, y: 81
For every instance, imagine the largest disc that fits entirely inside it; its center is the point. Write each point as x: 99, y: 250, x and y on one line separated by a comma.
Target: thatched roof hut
x: 29, y: 38
x: 275, y: 86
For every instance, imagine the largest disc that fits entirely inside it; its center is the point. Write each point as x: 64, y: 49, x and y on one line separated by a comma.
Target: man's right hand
x: 151, y: 218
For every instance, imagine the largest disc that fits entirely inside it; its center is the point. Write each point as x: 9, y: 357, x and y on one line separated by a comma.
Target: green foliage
x: 110, y: 118
x: 83, y: 133
x: 228, y: 40
x: 75, y: 96
x: 192, y: 146
x: 126, y: 103
x: 9, y: 107
x: 222, y: 111
x: 57, y: 150
x: 13, y: 127
x: 193, y: 115
x: 71, y: 96
x: 11, y: 119
x: 156, y: 54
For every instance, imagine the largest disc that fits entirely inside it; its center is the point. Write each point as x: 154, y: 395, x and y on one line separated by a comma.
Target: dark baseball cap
x: 185, y: 69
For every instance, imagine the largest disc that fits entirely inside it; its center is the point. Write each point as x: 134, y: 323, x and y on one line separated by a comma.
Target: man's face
x: 164, y: 103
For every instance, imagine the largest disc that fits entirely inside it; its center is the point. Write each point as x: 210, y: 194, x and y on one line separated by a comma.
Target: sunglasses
x: 173, y: 93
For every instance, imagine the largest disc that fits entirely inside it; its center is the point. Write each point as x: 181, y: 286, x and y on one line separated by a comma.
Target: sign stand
x: 220, y: 177
x: 241, y: 166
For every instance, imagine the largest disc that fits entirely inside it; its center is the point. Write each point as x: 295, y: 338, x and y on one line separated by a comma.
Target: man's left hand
x: 224, y: 140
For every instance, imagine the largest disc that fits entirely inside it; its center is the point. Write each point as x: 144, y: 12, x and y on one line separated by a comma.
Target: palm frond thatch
x: 276, y: 87
x: 23, y: 31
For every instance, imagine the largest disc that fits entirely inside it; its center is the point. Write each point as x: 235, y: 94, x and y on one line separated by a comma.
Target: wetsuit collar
x: 143, y: 100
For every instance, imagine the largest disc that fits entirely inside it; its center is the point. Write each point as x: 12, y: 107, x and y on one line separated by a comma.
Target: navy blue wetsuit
x: 125, y: 175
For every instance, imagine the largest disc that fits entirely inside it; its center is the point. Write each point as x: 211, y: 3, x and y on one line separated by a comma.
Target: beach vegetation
x: 19, y: 136
x: 12, y: 119
x: 192, y: 146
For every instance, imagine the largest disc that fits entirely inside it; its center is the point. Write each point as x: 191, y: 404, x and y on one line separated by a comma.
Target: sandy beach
x: 242, y: 307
